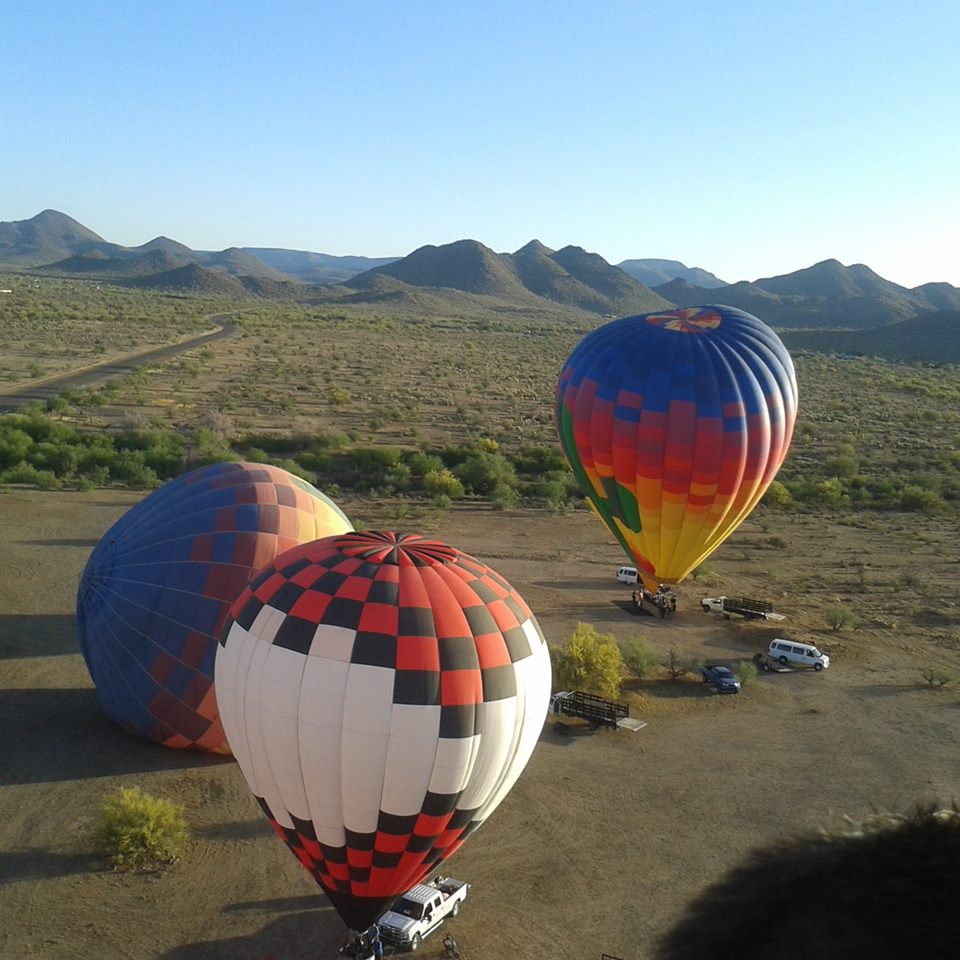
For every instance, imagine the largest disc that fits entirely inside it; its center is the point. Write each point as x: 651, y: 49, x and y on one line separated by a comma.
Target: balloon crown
x: 397, y: 549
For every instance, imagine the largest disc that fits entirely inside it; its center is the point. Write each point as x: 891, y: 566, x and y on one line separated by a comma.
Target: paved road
x: 43, y: 390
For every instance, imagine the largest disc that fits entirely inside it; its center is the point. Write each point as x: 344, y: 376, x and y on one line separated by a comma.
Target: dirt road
x: 43, y: 390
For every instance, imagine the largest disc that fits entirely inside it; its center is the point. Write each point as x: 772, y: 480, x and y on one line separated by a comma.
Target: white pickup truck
x: 421, y: 910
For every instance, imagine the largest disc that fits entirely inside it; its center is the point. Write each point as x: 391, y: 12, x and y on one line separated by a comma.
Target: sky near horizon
x: 748, y: 138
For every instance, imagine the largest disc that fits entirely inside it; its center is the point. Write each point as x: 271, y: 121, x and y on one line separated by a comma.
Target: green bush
x: 135, y: 829
x: 838, y: 617
x: 746, y: 672
x: 442, y: 482
x: 590, y: 661
x: 638, y: 656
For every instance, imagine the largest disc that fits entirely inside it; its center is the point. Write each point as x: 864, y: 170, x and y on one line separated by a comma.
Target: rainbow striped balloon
x: 675, y: 423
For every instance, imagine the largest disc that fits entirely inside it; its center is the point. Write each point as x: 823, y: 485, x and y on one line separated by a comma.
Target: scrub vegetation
x: 435, y: 408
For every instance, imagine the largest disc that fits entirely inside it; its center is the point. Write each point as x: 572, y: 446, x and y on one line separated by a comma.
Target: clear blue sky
x: 748, y: 138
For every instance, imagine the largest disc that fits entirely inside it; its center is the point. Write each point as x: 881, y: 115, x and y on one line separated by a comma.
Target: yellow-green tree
x: 590, y: 661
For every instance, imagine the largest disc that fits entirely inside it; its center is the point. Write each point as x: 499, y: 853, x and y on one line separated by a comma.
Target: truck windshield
x: 409, y: 908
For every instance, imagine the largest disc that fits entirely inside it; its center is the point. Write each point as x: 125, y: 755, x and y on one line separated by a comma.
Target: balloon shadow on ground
x: 62, y: 734
x: 36, y: 864
x: 61, y: 543
x: 305, y: 935
x: 26, y: 635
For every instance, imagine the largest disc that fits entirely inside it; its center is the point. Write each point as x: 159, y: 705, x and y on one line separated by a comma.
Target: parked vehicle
x: 421, y: 910
x: 744, y: 607
x: 627, y: 575
x: 597, y: 711
x: 798, y: 654
x: 722, y: 677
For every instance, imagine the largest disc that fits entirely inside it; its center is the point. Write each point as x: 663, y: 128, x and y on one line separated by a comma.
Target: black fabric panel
x: 458, y: 653
x: 305, y: 827
x: 334, y: 854
x: 293, y: 568
x: 295, y: 634
x: 481, y: 620
x: 284, y: 598
x: 439, y: 804
x: 360, y: 841
x: 517, y: 644
x: 416, y: 622
x: 382, y: 591
x: 248, y: 613
x: 374, y: 649
x: 458, y: 722
x: 421, y: 687
x: 499, y: 683
x: 395, y: 824
x: 342, y: 612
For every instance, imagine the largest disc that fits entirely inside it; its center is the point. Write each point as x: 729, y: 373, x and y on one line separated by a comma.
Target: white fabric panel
x: 322, y: 689
x: 533, y: 688
x: 267, y: 622
x: 230, y: 677
x: 414, y: 732
x: 334, y: 643
x: 496, y: 734
x: 261, y: 773
x: 367, y: 711
x: 280, y: 696
x: 453, y: 763
x: 533, y: 635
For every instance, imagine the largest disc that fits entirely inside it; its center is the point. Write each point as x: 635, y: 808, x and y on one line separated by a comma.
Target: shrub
x: 638, y: 656
x: 746, y: 672
x: 136, y: 829
x: 590, y: 661
x: 504, y: 497
x: 936, y: 677
x: 778, y: 496
x: 677, y: 665
x: 441, y: 482
x: 838, y: 616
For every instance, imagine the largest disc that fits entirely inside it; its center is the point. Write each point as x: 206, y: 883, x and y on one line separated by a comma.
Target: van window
x: 809, y: 653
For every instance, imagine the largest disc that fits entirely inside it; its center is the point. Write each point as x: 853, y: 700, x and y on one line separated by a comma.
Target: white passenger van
x: 798, y: 654
x: 627, y: 575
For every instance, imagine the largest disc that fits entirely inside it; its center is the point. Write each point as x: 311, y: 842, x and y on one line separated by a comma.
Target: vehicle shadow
x: 62, y: 734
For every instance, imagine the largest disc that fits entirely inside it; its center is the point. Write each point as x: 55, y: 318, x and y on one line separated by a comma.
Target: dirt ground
x: 606, y: 835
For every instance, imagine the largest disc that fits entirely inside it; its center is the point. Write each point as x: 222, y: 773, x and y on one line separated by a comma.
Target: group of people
x: 665, y: 603
x: 365, y: 946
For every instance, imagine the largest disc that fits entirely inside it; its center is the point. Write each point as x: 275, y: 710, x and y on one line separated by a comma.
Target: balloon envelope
x: 674, y: 424
x: 381, y: 694
x: 156, y: 590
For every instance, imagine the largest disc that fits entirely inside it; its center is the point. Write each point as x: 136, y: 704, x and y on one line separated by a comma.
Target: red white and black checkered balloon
x: 381, y: 693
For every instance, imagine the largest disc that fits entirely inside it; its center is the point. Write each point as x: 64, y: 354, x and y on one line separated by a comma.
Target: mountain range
x: 469, y: 275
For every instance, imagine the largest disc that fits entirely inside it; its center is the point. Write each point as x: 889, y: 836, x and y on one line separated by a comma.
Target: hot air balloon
x: 674, y: 424
x: 156, y: 591
x: 381, y: 693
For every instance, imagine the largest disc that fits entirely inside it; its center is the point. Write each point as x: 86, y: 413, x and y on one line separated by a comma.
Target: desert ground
x: 605, y: 837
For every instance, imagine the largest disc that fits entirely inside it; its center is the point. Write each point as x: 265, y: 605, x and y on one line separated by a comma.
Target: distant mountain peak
x: 534, y: 247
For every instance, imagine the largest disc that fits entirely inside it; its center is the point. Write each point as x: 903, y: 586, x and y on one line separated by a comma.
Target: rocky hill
x: 570, y: 277
x: 654, y: 273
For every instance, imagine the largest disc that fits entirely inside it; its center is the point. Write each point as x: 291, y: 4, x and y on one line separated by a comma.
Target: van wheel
x: 783, y: 660
x: 818, y: 667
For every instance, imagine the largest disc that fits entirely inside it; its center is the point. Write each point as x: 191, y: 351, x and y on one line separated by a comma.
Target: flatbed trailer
x: 769, y: 665
x: 597, y: 711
